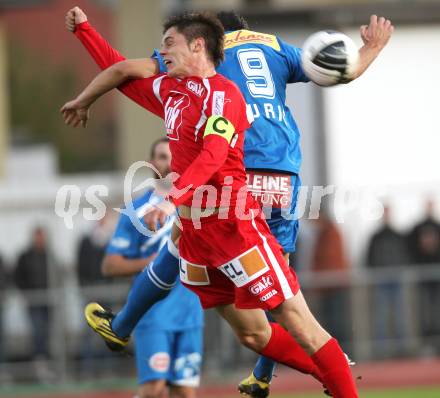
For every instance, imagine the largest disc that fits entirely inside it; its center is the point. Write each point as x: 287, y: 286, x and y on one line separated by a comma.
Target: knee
x: 153, y: 389
x: 254, y: 340
x: 305, y: 338
x: 311, y: 340
x: 295, y: 316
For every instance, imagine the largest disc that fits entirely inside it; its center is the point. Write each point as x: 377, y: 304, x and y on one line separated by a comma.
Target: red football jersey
x: 186, y: 105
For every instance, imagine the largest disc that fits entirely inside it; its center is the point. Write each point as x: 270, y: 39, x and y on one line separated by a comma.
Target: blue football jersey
x: 262, y: 65
x: 181, y: 309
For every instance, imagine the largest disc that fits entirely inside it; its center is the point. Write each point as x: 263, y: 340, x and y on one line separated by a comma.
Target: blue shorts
x: 277, y: 194
x: 172, y: 356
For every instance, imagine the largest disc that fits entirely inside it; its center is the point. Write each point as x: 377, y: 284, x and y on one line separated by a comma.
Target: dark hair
x: 200, y: 24
x: 232, y: 20
x: 155, y: 144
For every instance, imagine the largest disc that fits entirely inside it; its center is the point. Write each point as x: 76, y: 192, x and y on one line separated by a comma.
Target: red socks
x: 336, y: 374
x: 328, y: 365
x: 283, y: 348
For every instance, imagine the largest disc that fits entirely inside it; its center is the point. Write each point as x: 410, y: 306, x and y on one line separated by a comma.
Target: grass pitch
x: 422, y: 392
x: 83, y: 390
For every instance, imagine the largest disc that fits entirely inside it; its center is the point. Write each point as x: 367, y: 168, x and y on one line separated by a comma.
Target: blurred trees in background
x: 38, y: 89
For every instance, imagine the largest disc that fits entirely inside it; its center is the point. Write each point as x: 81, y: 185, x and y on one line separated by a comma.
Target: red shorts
x: 235, y: 261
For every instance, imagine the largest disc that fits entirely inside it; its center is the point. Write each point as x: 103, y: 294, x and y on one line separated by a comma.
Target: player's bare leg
x: 311, y: 355
x: 153, y: 389
x: 159, y: 389
x: 295, y: 316
x: 257, y: 384
x: 250, y: 326
x: 182, y: 392
x: 253, y: 330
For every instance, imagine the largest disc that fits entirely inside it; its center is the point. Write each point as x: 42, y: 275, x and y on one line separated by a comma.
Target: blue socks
x: 153, y: 284
x: 264, y: 369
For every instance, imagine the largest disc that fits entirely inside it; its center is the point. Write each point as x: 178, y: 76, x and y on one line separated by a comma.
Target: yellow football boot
x: 99, y: 319
x: 254, y: 388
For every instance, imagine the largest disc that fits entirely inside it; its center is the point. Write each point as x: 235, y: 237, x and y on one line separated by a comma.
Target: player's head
x: 429, y: 207
x: 160, y: 156
x: 39, y: 238
x: 386, y: 214
x: 190, y: 38
x: 232, y: 20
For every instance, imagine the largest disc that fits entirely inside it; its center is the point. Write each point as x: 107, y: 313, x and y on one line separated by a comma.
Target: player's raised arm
x: 77, y: 111
x: 102, y: 52
x: 375, y: 37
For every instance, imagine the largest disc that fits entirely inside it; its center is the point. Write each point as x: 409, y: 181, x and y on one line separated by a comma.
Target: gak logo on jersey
x: 196, y: 88
x: 261, y: 285
x: 174, y: 108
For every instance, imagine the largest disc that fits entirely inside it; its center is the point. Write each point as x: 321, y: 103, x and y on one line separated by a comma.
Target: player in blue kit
x: 261, y: 65
x: 168, y: 339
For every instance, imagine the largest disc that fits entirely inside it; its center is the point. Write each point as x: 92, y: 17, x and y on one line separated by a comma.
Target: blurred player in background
x: 261, y: 65
x: 168, y: 339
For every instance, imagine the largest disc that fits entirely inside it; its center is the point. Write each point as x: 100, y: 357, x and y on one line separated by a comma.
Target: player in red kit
x: 229, y: 259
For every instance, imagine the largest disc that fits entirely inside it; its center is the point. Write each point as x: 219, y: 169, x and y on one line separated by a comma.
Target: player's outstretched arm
x: 375, y: 37
x: 77, y: 111
x: 102, y: 52
x: 141, y: 91
x: 117, y: 70
x: 117, y: 265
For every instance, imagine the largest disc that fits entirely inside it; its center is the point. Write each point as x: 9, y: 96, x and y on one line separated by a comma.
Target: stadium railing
x: 376, y: 314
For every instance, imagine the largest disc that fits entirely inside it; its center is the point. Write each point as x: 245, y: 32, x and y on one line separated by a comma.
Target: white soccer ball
x: 329, y: 58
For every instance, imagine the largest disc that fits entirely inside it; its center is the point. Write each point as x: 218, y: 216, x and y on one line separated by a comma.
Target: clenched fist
x: 74, y: 17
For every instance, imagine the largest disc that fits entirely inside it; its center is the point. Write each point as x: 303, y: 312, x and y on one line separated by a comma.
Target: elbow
x: 352, y: 75
x: 107, y: 268
x: 357, y: 73
x: 129, y: 69
x: 122, y: 69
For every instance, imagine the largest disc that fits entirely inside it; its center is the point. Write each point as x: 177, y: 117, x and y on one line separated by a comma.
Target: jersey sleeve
x: 293, y: 56
x: 100, y: 50
x: 124, y: 241
x: 208, y: 161
x: 140, y: 91
x: 156, y: 55
x: 146, y: 93
x: 228, y: 118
